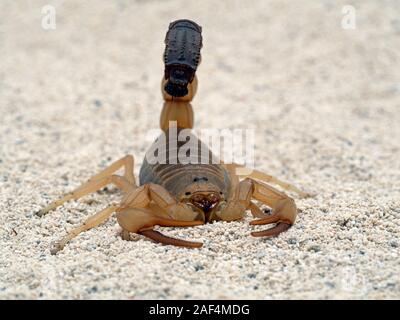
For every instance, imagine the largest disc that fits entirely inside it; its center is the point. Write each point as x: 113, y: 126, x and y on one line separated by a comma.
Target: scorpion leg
x: 99, y: 181
x: 91, y: 222
x: 87, y: 188
x: 127, y: 162
x: 239, y: 170
x: 284, y: 209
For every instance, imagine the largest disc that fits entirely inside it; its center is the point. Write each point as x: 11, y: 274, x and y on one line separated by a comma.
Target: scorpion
x: 177, y: 194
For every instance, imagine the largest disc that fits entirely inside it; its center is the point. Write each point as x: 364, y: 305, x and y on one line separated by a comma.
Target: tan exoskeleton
x: 177, y: 194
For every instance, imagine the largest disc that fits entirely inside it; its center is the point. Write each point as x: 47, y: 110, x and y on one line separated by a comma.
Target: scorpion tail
x: 159, y: 237
x: 183, y: 43
x: 178, y: 114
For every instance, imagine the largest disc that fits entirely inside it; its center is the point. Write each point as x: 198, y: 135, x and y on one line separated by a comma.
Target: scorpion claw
x: 159, y: 237
x: 266, y: 220
x: 280, y: 227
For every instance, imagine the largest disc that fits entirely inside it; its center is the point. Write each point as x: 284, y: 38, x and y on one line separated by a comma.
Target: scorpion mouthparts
x: 206, y: 203
x: 207, y: 208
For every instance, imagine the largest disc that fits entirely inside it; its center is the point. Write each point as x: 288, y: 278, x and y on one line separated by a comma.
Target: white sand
x: 324, y: 102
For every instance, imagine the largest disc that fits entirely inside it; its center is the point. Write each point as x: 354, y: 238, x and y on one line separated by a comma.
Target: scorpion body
x: 176, y: 176
x: 184, y: 179
x: 180, y: 193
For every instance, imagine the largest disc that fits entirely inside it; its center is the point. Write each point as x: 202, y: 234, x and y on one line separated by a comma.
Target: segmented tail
x: 183, y: 43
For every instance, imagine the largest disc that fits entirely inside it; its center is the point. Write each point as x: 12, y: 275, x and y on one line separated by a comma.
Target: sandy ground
x: 324, y: 102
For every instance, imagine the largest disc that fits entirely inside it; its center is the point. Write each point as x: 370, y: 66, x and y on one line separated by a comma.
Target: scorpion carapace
x: 181, y: 56
x: 177, y: 193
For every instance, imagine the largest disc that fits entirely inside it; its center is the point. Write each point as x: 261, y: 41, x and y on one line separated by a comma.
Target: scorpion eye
x: 220, y: 192
x: 196, y: 179
x: 187, y: 193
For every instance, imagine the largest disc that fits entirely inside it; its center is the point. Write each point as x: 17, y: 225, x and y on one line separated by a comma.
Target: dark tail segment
x: 183, y: 43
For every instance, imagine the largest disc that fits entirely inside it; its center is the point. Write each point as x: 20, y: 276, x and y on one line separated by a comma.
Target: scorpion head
x: 205, y: 198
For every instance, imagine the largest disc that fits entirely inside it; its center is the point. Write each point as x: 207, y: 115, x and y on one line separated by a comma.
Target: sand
x: 323, y: 101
